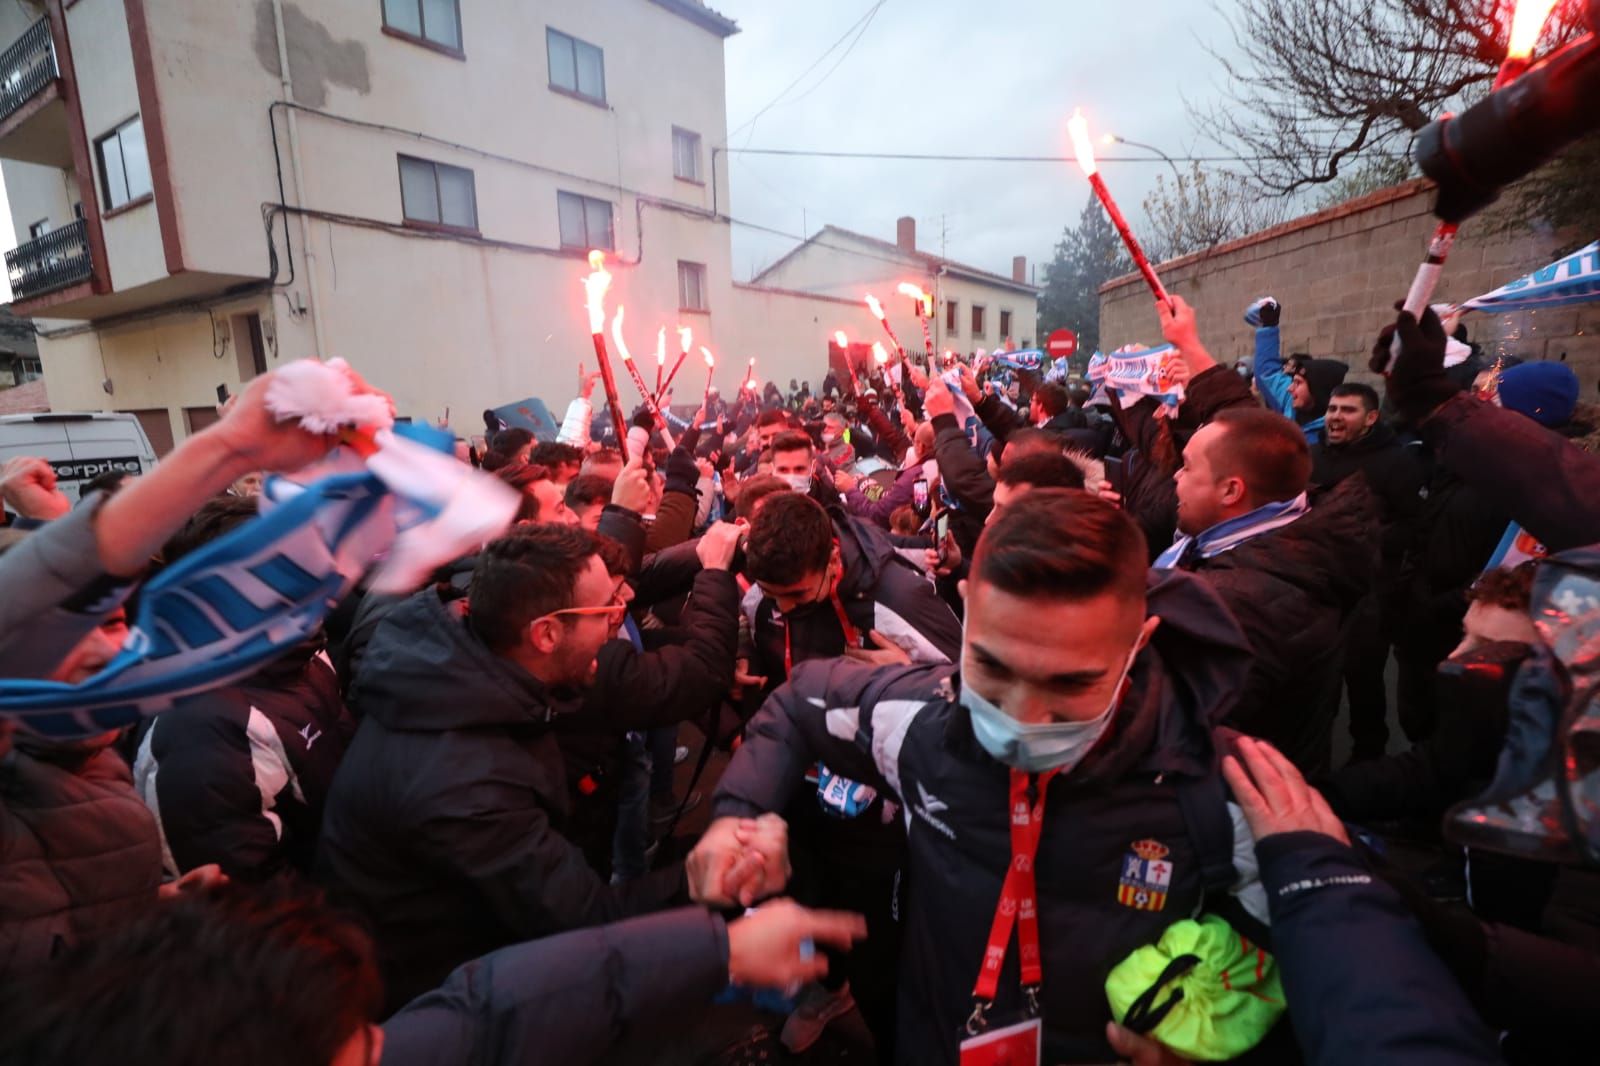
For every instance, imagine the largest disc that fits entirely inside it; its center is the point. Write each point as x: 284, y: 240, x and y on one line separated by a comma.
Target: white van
x: 79, y: 446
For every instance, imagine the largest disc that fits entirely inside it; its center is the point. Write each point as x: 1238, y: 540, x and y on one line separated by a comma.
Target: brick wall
x: 1338, y: 273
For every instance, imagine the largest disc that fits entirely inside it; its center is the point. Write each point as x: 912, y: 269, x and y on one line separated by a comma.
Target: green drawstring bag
x: 1203, y: 990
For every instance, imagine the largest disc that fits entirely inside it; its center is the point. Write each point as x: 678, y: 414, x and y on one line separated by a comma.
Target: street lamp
x: 1112, y: 138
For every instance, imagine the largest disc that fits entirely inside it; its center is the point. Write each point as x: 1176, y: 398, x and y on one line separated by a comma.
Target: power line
x: 859, y: 24
x: 940, y: 157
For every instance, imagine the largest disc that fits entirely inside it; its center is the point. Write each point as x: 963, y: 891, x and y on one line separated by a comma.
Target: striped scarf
x: 1226, y: 536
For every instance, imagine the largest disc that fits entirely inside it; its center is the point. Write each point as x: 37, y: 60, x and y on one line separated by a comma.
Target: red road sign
x: 1063, y: 343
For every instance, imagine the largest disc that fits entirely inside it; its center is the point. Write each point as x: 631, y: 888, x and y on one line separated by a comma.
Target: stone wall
x: 1338, y: 273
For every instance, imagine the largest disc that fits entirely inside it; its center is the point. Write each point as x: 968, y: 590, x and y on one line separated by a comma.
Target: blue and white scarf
x: 219, y: 614
x: 1226, y: 536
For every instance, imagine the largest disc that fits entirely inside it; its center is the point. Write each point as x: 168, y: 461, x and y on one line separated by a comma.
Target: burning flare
x: 880, y: 353
x: 1527, y: 24
x: 685, y: 338
x: 840, y: 339
x: 1082, y: 146
x: 875, y: 307
x: 594, y: 292
x: 916, y: 293
x: 661, y: 347
x: 710, y: 362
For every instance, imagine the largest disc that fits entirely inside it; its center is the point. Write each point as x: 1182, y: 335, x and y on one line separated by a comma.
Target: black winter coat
x: 1396, y: 472
x: 1292, y: 591
x: 966, y: 479
x: 902, y: 730
x: 569, y: 999
x: 444, y: 822
x: 238, y: 776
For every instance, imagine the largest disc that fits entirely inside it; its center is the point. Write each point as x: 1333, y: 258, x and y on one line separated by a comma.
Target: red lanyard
x: 852, y: 635
x: 1018, y: 898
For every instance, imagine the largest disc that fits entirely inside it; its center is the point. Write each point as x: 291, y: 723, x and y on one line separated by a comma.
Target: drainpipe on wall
x: 299, y: 191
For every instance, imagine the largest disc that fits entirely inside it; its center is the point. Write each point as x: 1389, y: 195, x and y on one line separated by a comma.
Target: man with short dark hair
x: 794, y: 459
x: 542, y: 498
x: 586, y: 496
x: 1292, y: 574
x: 1357, y: 440
x: 1021, y: 474
x: 604, y: 462
x: 1052, y: 409
x: 444, y: 821
x: 562, y: 460
x: 1085, y: 692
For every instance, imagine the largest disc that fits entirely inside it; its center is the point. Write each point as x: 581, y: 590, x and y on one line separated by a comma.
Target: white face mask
x: 798, y: 482
x: 1047, y: 746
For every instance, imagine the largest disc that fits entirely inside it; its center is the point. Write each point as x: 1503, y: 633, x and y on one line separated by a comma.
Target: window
x: 249, y: 346
x: 692, y: 287
x: 434, y: 21
x: 436, y: 194
x: 685, y: 155
x: 977, y: 320
x: 197, y: 418
x: 952, y: 324
x: 124, y: 166
x: 577, y: 67
x: 585, y: 222
x: 1005, y: 324
x: 39, y: 229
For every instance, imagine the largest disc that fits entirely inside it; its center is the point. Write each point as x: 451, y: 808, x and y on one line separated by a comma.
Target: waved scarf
x: 1226, y: 536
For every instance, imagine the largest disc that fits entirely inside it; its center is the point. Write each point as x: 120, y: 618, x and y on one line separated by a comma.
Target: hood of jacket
x: 1330, y: 553
x: 1184, y: 682
x: 425, y: 671
x: 865, y: 550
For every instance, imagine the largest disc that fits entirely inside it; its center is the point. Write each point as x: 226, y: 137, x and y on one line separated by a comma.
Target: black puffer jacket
x: 902, y: 730
x: 444, y: 822
x: 238, y: 776
x: 880, y: 591
x: 1292, y: 590
x: 79, y: 853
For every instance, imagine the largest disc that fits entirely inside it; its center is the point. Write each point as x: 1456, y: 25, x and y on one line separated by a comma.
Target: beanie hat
x: 1203, y: 990
x: 1545, y: 392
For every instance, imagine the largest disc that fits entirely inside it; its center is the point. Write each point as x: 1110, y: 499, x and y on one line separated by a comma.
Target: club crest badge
x: 1146, y: 876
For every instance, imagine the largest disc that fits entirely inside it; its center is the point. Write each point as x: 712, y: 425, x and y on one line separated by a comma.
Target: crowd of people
x: 1028, y: 718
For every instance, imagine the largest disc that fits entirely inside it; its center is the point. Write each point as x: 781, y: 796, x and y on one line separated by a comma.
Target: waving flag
x: 1030, y: 359
x: 1573, y: 280
x: 1140, y: 372
x: 221, y: 613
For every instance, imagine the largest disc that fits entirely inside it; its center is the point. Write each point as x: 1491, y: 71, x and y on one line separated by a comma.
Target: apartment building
x: 206, y: 188
x: 974, y: 308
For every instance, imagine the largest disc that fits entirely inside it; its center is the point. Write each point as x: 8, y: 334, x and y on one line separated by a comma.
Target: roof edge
x: 701, y: 16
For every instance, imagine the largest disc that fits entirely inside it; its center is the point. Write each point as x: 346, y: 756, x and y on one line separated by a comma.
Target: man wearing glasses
x: 445, y: 821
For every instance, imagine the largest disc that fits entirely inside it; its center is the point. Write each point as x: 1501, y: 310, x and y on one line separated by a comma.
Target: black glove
x: 1271, y: 313
x: 644, y: 419
x: 682, y: 473
x: 1417, y: 383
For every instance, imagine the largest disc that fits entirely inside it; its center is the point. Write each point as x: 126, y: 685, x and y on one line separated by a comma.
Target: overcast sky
x: 956, y: 76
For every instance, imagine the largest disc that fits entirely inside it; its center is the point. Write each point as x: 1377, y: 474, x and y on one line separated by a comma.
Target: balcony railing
x: 27, y: 67
x: 54, y: 261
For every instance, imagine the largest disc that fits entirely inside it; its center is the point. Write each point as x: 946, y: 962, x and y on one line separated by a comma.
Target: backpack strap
x: 1203, y: 802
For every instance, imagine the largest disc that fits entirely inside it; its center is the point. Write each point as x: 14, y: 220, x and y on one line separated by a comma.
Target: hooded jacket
x: 880, y: 591
x: 902, y: 730
x: 444, y: 822
x: 1292, y: 590
x: 78, y: 851
x: 1322, y: 375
